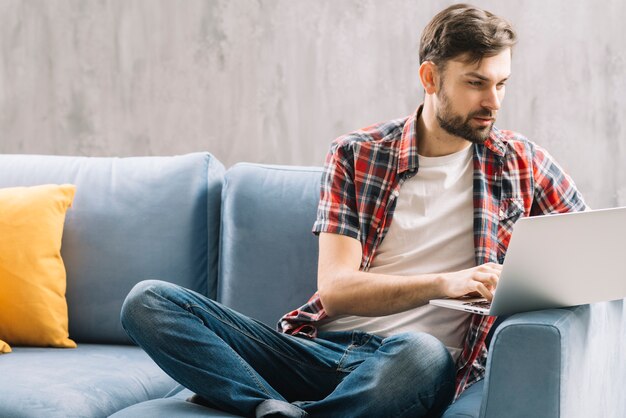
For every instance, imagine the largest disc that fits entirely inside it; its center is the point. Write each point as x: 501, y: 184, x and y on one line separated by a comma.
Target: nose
x: 492, y: 99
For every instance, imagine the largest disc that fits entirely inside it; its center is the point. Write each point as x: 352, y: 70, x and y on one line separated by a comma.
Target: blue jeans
x: 241, y: 365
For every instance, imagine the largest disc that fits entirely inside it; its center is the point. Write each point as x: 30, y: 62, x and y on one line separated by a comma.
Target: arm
x: 344, y: 289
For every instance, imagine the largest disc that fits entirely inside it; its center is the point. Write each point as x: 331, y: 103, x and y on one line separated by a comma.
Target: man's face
x: 470, y: 95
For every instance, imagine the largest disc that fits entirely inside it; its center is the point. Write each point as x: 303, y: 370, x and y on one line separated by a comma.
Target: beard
x: 459, y: 126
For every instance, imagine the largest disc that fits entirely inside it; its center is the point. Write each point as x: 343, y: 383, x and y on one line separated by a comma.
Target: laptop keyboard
x: 481, y: 304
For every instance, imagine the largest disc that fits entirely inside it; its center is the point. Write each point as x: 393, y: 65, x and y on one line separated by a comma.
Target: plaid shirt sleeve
x: 337, y: 210
x: 554, y: 191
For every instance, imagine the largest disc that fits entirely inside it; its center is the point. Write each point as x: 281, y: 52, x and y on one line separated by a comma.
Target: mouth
x: 483, y: 121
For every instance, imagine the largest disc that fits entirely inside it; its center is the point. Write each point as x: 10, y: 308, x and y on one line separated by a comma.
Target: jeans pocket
x: 362, y: 347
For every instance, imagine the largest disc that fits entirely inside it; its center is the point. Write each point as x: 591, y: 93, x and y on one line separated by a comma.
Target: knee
x: 140, y: 300
x: 422, y: 356
x: 426, y: 372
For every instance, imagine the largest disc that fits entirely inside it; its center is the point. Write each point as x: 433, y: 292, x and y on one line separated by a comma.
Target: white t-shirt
x: 431, y: 232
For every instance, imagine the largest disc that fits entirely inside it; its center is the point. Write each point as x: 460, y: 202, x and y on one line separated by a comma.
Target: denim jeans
x: 237, y: 364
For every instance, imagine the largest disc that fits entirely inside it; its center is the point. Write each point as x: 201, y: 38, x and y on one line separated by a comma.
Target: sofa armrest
x: 558, y: 363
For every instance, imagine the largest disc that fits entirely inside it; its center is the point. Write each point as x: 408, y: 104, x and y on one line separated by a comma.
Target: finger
x: 487, y: 268
x: 488, y: 275
x: 494, y: 266
x: 488, y: 279
x: 486, y: 293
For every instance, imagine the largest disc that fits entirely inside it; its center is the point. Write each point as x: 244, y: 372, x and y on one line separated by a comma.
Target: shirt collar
x: 496, y: 142
x: 408, y: 159
x: 408, y: 143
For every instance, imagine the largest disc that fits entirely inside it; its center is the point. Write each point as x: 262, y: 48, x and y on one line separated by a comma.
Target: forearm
x: 346, y: 290
x: 371, y: 294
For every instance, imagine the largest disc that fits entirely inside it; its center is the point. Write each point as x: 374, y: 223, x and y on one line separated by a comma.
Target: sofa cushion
x: 468, y: 404
x: 171, y: 406
x: 132, y: 219
x: 268, y: 254
x: 89, y: 381
x: 33, y: 310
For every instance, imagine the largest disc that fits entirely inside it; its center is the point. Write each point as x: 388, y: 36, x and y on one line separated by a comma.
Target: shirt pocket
x: 510, y: 211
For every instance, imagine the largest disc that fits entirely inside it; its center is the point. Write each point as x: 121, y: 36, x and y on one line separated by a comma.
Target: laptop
x: 556, y: 261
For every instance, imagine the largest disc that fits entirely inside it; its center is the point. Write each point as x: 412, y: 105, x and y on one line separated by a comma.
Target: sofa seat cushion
x: 468, y: 404
x: 171, y: 406
x: 89, y: 381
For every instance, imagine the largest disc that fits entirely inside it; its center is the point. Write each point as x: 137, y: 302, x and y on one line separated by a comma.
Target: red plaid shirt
x: 364, y: 172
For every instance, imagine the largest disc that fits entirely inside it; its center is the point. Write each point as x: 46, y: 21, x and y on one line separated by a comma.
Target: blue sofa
x: 243, y: 236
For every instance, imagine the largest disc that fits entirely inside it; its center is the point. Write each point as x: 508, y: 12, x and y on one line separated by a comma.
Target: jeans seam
x: 343, y: 357
x: 245, y: 365
x: 230, y: 324
x: 252, y: 374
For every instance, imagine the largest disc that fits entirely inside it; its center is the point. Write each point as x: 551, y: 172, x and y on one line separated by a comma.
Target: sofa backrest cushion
x: 132, y: 219
x: 268, y: 254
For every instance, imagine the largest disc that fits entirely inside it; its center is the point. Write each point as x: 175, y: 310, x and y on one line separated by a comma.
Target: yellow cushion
x: 33, y: 310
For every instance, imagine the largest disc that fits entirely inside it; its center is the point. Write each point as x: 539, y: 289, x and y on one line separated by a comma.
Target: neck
x: 432, y: 140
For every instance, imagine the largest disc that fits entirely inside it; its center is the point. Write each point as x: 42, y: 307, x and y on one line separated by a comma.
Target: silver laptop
x: 554, y: 261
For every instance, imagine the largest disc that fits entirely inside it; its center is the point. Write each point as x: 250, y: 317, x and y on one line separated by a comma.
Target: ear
x: 429, y: 77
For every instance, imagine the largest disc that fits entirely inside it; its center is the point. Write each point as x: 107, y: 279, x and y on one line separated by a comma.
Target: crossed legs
x: 242, y: 366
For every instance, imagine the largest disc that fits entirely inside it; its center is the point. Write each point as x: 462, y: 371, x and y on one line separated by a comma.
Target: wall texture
x: 275, y: 81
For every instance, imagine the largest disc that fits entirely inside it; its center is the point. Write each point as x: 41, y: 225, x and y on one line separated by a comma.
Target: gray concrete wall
x: 275, y: 81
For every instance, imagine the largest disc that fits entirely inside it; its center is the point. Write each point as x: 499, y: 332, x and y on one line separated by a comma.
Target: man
x: 410, y: 210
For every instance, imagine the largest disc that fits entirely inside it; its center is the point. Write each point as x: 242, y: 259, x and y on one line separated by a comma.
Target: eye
x: 475, y: 83
x: 500, y: 86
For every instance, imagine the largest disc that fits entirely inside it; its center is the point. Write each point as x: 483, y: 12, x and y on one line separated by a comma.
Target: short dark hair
x: 462, y: 29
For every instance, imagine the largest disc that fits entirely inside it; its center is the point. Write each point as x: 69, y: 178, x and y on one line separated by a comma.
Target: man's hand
x: 476, y: 281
